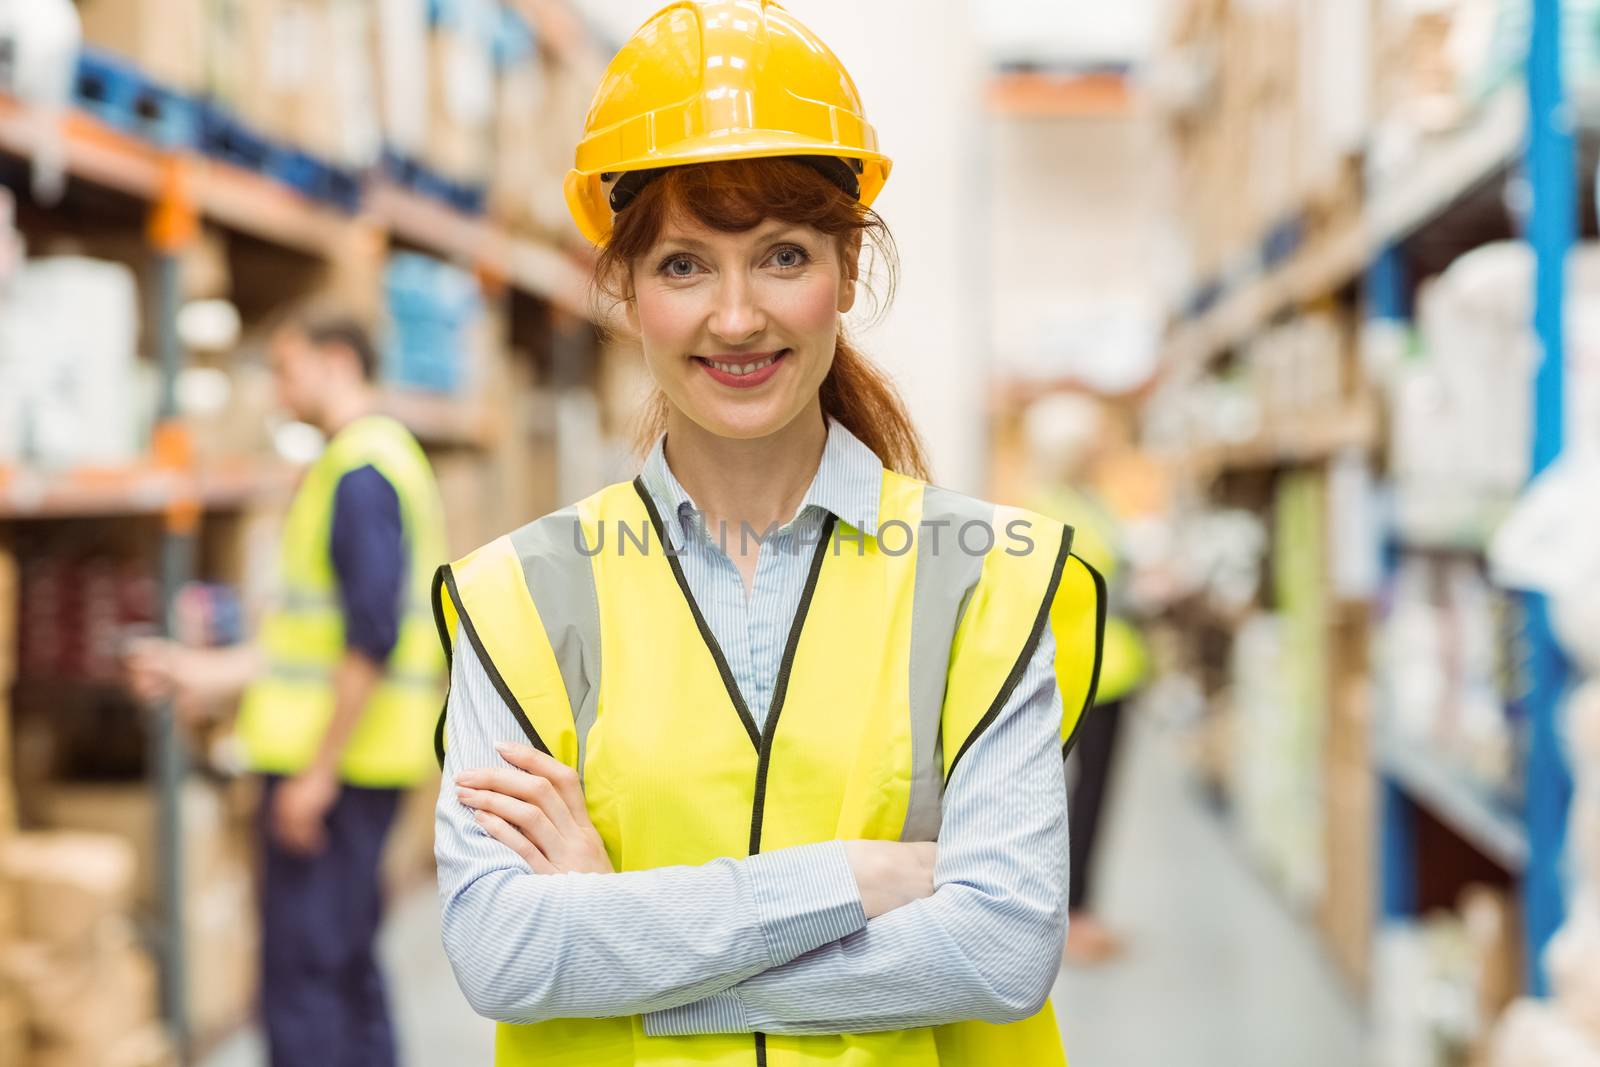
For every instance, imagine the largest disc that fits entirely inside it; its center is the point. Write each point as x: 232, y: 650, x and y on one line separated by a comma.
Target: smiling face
x: 739, y: 328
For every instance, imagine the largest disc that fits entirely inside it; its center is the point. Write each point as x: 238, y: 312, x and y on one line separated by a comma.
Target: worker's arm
x: 202, y: 683
x: 986, y: 945
x: 528, y: 947
x: 368, y: 548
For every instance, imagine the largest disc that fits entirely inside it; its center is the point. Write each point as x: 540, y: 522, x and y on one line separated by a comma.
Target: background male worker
x: 340, y: 693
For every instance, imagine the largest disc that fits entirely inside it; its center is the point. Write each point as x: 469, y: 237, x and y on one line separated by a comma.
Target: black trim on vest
x: 762, y: 739
x: 1029, y: 646
x: 700, y: 620
x: 1102, y: 604
x: 447, y: 576
x: 780, y: 689
x: 436, y: 598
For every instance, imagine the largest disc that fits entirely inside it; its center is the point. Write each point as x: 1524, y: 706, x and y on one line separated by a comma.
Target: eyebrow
x: 770, y: 234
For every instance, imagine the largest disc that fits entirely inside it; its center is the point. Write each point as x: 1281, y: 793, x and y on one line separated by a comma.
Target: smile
x: 744, y: 374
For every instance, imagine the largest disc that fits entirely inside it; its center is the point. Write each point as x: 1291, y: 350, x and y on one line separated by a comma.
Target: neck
x: 344, y: 406
x: 759, y: 481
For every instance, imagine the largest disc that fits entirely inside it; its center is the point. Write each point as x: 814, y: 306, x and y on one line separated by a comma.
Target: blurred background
x: 1292, y: 305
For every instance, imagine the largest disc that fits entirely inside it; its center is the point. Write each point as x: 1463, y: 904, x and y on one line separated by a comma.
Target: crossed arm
x: 781, y: 942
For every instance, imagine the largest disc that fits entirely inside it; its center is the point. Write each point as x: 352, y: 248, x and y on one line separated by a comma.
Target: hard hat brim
x: 586, y: 196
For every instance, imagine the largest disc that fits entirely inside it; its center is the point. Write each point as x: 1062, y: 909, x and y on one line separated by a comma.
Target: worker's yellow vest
x: 1125, y: 662
x: 286, y: 712
x: 900, y: 655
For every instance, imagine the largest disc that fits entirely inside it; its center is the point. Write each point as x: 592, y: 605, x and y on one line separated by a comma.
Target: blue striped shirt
x: 776, y: 943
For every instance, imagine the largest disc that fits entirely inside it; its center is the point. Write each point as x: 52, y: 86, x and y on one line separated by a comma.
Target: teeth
x: 742, y: 369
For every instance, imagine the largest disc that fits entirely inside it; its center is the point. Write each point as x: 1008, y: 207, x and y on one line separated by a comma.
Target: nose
x: 737, y: 317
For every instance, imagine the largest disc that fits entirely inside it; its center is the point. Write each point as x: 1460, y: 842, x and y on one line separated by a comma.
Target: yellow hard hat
x: 710, y: 80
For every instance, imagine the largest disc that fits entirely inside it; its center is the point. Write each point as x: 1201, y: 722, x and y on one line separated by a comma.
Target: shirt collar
x: 847, y: 483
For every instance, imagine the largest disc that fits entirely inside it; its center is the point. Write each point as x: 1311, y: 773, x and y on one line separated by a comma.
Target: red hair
x: 734, y: 196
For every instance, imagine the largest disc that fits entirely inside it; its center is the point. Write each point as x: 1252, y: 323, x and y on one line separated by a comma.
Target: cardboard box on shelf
x: 1493, y: 925
x: 300, y: 72
x: 526, y: 460
x: 69, y: 885
x: 403, y: 74
x: 13, y: 1028
x: 165, y: 38
x: 540, y: 104
x: 224, y: 946
x: 1346, y: 912
x: 519, y: 121
x: 461, y: 104
x: 83, y: 998
x: 464, y: 487
x: 215, y: 844
x: 148, y: 1046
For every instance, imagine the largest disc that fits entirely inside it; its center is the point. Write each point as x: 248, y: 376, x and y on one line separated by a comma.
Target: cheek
x: 809, y: 309
x: 667, y: 321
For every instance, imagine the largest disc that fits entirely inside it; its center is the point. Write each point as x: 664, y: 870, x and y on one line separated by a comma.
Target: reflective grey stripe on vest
x: 946, y: 576
x: 304, y: 602
x: 561, y: 581
x: 302, y: 673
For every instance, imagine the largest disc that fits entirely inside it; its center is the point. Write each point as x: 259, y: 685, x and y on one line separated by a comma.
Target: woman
x: 758, y: 757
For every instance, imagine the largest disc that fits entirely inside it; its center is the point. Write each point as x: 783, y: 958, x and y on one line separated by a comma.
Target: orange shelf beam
x: 1041, y: 95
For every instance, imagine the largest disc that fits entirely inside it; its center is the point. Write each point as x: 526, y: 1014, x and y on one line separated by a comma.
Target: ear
x: 630, y: 312
x: 849, y: 278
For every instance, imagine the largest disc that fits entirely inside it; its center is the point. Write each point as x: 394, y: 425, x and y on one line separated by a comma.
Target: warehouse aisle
x: 1220, y: 974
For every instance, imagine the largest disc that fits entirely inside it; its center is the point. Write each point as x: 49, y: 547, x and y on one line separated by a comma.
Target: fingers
x: 508, y: 836
x: 564, y: 778
x: 305, y: 838
x: 528, y: 820
x: 529, y: 789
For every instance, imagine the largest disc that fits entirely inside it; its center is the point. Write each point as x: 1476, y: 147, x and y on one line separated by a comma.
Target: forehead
x: 684, y: 230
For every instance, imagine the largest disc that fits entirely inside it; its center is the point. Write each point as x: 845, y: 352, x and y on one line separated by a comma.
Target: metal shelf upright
x: 174, y: 224
x: 1550, y: 227
x: 1552, y: 231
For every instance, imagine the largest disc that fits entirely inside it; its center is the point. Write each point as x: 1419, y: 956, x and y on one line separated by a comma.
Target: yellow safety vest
x: 1125, y: 663
x: 900, y: 655
x: 285, y: 714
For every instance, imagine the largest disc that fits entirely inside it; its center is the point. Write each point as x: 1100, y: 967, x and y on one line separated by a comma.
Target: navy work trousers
x: 322, y: 997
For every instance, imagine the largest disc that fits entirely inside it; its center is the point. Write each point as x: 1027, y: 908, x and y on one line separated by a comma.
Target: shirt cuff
x: 805, y: 897
x: 720, y: 1013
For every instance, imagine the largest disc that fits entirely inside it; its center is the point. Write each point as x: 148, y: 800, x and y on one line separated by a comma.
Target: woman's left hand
x: 535, y: 808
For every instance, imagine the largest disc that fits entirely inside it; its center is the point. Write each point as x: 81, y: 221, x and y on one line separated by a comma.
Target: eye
x: 790, y: 257
x: 677, y: 266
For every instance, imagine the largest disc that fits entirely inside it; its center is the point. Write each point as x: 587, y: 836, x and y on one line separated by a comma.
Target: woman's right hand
x: 890, y: 874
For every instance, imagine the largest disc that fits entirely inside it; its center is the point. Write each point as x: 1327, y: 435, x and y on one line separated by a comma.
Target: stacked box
x: 85, y: 986
x: 540, y: 108
x: 520, y: 110
x: 403, y: 74
x: 165, y: 38
x: 461, y: 89
x: 434, y: 309
x: 1275, y: 105
x: 218, y: 892
x: 300, y: 72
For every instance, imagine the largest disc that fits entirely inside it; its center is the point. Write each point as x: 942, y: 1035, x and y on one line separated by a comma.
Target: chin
x: 741, y: 422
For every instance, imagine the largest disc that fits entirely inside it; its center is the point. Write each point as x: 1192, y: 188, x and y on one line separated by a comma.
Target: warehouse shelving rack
x: 178, y: 192
x: 1525, y: 128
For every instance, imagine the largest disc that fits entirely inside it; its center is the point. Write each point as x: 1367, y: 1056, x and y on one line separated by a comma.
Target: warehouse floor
x: 1220, y: 973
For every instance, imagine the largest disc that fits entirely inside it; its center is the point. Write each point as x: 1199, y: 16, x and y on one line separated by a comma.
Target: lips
x: 744, y: 371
